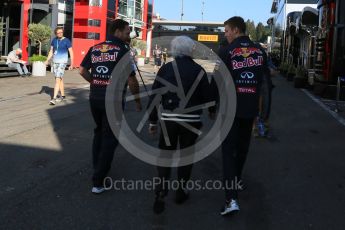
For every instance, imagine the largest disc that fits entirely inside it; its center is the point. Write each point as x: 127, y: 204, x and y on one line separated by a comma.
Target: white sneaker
x: 230, y: 208
x: 60, y: 99
x: 53, y: 102
x: 98, y: 190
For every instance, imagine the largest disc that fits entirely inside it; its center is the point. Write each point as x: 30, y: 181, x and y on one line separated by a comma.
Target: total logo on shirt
x: 246, y: 90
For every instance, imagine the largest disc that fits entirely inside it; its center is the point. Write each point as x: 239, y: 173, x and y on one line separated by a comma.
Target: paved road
x: 296, y: 179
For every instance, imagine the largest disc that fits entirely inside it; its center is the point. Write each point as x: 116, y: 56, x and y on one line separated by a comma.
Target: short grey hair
x: 182, y: 46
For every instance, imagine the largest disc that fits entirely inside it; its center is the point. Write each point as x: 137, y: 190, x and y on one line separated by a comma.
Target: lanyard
x: 57, y: 43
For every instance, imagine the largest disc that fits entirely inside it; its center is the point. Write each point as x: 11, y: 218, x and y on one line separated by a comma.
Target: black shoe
x: 159, y: 205
x: 181, y: 196
x: 28, y: 74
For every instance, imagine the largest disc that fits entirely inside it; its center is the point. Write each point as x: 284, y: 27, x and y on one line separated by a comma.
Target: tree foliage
x: 258, y: 33
x: 39, y: 33
x: 138, y: 44
x: 2, y: 29
x: 251, y: 30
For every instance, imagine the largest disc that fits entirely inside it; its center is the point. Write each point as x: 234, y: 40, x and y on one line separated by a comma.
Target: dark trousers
x: 234, y: 150
x: 185, y: 138
x: 266, y: 101
x: 104, y: 143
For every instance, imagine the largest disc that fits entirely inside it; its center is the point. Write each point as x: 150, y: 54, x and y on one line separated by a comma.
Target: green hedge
x: 38, y: 58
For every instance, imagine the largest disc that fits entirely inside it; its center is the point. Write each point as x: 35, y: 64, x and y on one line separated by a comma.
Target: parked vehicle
x: 330, y: 42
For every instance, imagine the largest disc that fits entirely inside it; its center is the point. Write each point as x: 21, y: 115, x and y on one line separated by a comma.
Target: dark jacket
x: 247, y: 63
x: 171, y: 101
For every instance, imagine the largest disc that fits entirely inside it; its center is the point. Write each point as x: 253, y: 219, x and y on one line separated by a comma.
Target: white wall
x: 65, y: 7
x: 61, y: 16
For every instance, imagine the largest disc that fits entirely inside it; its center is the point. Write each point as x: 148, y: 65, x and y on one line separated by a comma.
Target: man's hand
x: 152, y: 129
x: 70, y: 67
x: 85, y: 74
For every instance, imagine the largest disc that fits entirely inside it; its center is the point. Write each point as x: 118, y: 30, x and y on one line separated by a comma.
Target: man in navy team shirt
x: 247, y: 63
x: 96, y: 68
x: 60, y: 47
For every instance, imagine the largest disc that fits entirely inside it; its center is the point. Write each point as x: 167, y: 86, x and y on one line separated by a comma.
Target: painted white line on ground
x: 322, y: 105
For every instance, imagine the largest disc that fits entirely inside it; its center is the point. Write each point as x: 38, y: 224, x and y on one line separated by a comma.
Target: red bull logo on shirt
x: 245, y: 52
x: 248, y: 62
x: 104, y: 57
x: 105, y: 48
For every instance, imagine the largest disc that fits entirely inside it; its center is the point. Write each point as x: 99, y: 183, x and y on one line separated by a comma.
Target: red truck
x: 330, y: 42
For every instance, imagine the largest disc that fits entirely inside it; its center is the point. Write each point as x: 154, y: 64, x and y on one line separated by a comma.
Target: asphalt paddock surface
x: 295, y: 179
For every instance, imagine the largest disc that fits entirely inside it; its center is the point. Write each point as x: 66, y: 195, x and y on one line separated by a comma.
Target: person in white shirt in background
x: 13, y: 61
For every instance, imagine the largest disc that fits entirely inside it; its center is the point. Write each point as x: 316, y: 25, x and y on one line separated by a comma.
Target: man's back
x: 246, y: 62
x: 11, y: 57
x: 102, y: 59
x: 189, y: 71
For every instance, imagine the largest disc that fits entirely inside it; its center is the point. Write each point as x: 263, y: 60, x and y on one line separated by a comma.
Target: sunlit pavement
x: 295, y: 179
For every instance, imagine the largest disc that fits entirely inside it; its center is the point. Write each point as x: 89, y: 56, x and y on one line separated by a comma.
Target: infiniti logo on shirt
x: 247, y: 75
x: 102, y: 69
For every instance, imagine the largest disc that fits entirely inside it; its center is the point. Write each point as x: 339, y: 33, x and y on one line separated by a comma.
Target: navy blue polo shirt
x: 247, y: 63
x: 102, y: 59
